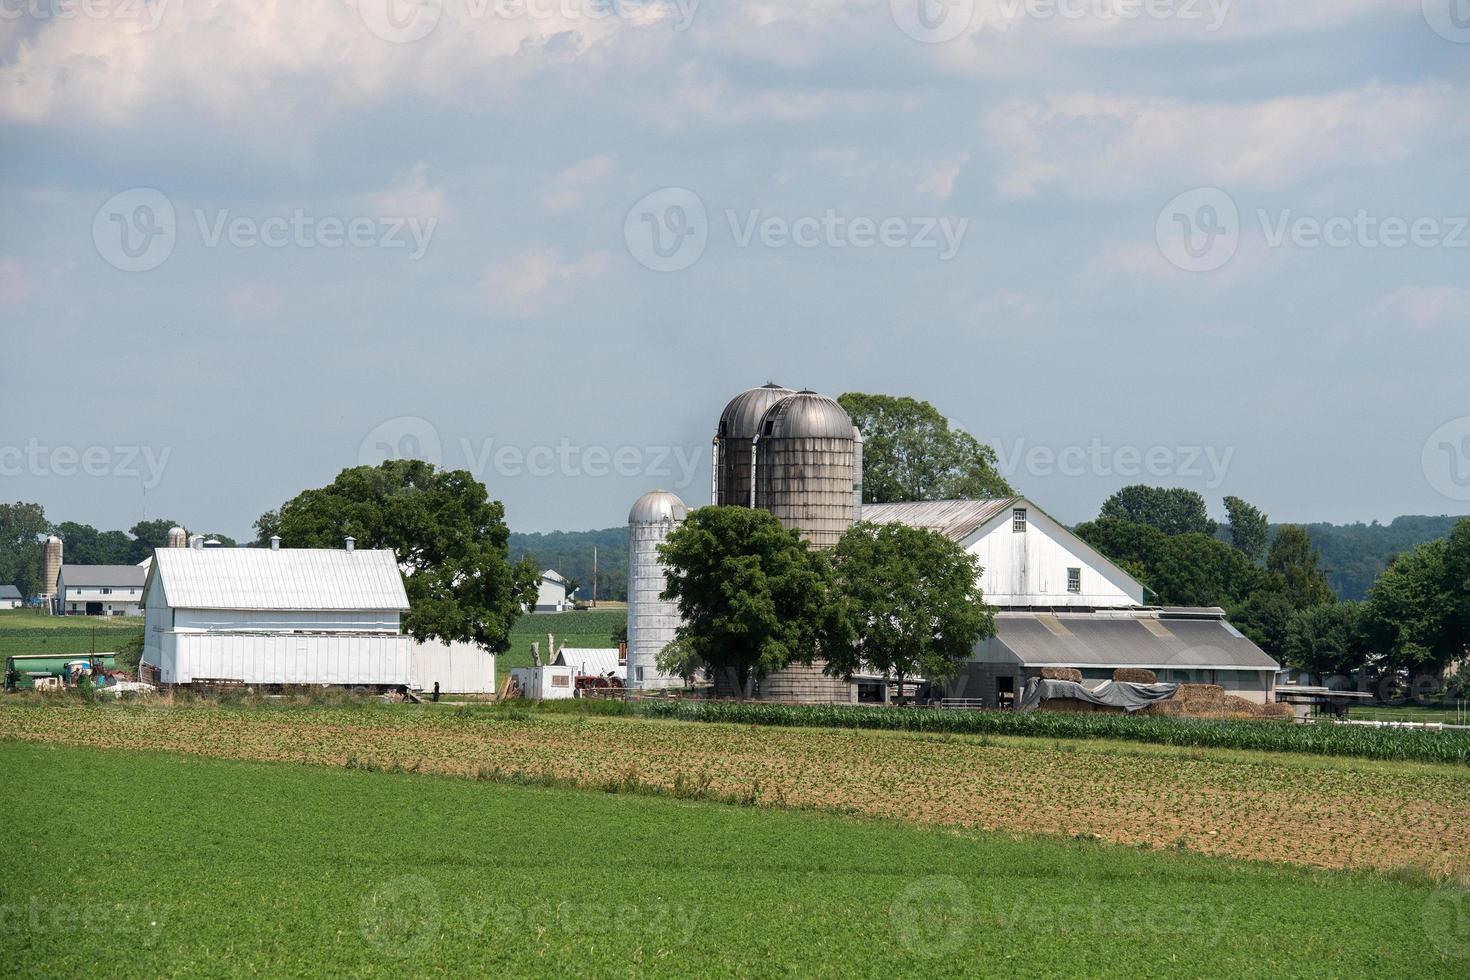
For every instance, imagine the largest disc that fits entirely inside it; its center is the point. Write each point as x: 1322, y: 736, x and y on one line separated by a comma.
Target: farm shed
x: 545, y: 683
x: 100, y: 590
x: 272, y: 616
x: 593, y: 661
x: 10, y: 597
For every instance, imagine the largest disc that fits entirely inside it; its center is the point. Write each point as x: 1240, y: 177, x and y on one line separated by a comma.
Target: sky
x: 1217, y: 244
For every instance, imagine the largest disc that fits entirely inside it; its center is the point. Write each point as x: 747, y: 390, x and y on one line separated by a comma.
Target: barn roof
x: 588, y: 661
x: 956, y: 519
x: 1156, y: 639
x: 9, y: 592
x: 289, y: 578
x: 111, y: 576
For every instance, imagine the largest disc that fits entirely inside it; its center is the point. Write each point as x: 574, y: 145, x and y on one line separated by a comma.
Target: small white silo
x: 178, y: 538
x: 652, y: 620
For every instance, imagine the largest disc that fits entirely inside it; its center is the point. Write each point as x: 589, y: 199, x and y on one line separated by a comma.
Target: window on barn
x: 1018, y: 520
x: 560, y: 680
x: 1074, y: 580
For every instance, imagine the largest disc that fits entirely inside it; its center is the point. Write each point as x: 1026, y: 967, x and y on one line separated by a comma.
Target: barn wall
x: 264, y: 658
x: 1030, y: 568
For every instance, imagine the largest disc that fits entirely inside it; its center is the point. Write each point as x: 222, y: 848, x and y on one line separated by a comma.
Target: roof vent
x: 275, y: 542
x: 350, y: 543
x: 197, y: 541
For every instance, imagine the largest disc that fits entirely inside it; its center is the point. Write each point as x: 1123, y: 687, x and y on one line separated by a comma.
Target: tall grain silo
x: 806, y: 466
x: 50, y: 572
x: 734, y: 442
x: 178, y: 538
x: 652, y: 620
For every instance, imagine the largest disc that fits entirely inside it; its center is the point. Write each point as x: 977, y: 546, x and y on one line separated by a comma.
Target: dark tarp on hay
x: 1113, y: 694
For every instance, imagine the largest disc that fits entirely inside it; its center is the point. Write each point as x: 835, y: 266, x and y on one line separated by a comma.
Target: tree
x: 148, y: 535
x: 753, y: 595
x: 449, y: 536
x: 1250, y: 529
x: 85, y: 545
x: 1418, y: 612
x: 1171, y: 510
x: 1328, y: 640
x: 1181, y: 570
x: 1295, y: 560
x: 911, y: 453
x: 22, y: 526
x: 913, y: 599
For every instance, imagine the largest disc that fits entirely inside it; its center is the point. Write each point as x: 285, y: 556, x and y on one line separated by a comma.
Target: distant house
x: 10, y: 597
x: 1061, y: 603
x: 554, y: 593
x: 100, y: 590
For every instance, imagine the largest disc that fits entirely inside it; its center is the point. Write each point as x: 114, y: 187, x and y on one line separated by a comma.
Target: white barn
x: 1061, y: 603
x: 100, y: 590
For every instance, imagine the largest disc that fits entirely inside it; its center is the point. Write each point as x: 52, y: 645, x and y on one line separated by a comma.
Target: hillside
x: 1355, y: 554
x: 570, y: 552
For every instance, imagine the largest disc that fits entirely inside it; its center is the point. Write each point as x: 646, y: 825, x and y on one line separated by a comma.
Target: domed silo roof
x: 657, y: 505
x: 806, y: 415
x: 741, y: 418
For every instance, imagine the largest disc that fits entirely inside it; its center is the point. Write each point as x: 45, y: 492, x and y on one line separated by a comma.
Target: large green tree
x: 1250, y: 529
x: 910, y: 452
x: 22, y: 526
x: 85, y: 545
x: 148, y: 535
x: 1419, y: 609
x: 753, y: 595
x: 1297, y: 562
x: 449, y: 536
x: 1329, y: 639
x: 914, y: 600
x: 1172, y: 510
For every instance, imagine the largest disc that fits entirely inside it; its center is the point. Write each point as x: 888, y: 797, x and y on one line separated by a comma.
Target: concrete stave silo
x: 806, y: 466
x: 652, y: 620
x: 178, y: 537
x: 734, y: 442
x: 50, y: 572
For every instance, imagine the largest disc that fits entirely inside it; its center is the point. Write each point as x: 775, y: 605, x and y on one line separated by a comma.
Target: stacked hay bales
x: 1211, y: 701
x: 1135, y: 675
x: 1061, y: 674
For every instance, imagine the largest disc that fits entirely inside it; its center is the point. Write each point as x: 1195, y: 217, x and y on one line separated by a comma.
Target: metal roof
x: 741, y: 418
x: 657, y: 506
x: 955, y: 519
x: 806, y: 415
x: 1144, y: 639
x: 588, y: 661
x: 112, y: 576
x: 9, y: 592
x: 290, y: 578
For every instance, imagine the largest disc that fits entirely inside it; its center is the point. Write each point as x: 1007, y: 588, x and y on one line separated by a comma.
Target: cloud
x: 410, y: 196
x: 16, y: 284
x: 567, y: 189
x: 1422, y: 308
x: 537, y: 277
x: 1110, y: 146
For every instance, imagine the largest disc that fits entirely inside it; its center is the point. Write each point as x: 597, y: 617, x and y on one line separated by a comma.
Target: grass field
x: 587, y: 628
x: 1450, y: 715
x: 27, y: 631
x: 1308, y: 810
x: 148, y: 864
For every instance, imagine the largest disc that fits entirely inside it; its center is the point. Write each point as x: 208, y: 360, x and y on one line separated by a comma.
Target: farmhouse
x: 100, y: 590
x: 554, y: 594
x: 10, y: 597
x: 293, y: 616
x: 1062, y: 604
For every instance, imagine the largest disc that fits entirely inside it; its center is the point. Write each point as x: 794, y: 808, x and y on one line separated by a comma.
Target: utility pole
x: 594, y: 576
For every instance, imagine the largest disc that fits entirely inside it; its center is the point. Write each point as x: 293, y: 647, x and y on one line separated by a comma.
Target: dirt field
x: 1310, y: 811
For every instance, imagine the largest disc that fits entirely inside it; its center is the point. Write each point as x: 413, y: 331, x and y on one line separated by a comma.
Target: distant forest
x: 570, y: 553
x: 1353, y: 555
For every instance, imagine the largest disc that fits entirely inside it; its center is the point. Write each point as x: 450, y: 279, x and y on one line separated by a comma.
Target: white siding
x: 282, y: 658
x: 1029, y: 568
x: 316, y: 621
x: 459, y: 668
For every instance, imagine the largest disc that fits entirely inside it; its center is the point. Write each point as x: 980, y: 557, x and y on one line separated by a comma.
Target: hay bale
x: 1061, y: 674
x: 1135, y: 675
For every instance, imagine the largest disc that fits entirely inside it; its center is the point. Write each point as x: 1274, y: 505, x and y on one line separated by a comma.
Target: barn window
x: 1074, y: 580
x: 560, y: 680
x: 1018, y: 520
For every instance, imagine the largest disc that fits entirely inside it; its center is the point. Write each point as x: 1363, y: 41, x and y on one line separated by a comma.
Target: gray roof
x: 956, y: 519
x: 9, y: 592
x: 110, y: 576
x: 656, y: 507
x: 1146, y: 638
x: 290, y: 578
x: 742, y: 417
x: 807, y: 415
x: 591, y: 661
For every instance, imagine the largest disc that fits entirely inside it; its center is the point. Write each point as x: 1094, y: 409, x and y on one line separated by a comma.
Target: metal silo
x: 50, y: 572
x: 652, y: 619
x: 178, y: 538
x: 857, y: 474
x: 734, y: 441
x: 806, y: 466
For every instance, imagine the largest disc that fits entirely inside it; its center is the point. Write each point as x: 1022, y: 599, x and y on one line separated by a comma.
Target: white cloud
x: 411, y: 196
x: 1422, y: 308
x: 537, y: 277
x: 568, y: 189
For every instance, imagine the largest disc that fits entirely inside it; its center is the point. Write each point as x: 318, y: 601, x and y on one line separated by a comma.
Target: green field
x: 27, y: 631
x: 586, y: 628
x: 1427, y: 714
x: 151, y: 864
